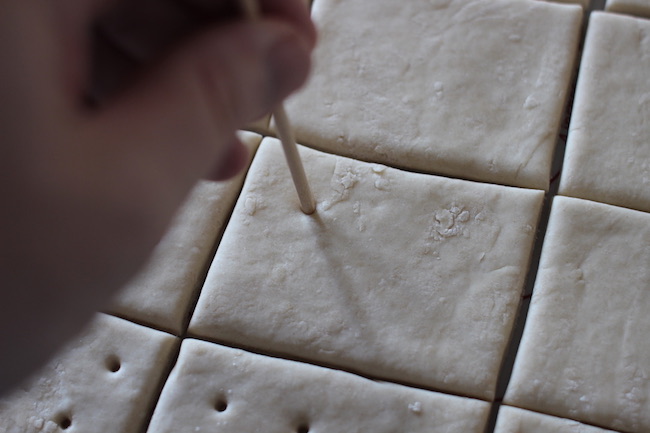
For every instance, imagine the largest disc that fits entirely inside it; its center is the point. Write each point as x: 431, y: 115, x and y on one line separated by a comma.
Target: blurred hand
x: 109, y: 114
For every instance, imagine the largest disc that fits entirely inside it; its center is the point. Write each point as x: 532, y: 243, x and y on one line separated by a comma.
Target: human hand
x: 88, y: 190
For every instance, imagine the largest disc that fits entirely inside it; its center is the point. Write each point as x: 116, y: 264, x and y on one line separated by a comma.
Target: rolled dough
x: 105, y: 381
x: 402, y: 276
x: 608, y: 150
x: 514, y: 420
x: 584, y: 3
x: 585, y: 352
x: 633, y: 7
x: 218, y: 389
x: 163, y: 292
x: 467, y: 88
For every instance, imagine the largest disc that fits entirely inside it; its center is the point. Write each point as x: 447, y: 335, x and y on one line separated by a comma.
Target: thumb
x: 180, y: 116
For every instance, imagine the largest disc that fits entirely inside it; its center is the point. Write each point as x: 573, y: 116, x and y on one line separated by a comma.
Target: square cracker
x: 585, y: 353
x: 467, y: 88
x: 515, y: 420
x: 398, y: 275
x: 632, y: 7
x: 218, y: 389
x: 608, y: 149
x: 105, y: 381
x: 162, y: 294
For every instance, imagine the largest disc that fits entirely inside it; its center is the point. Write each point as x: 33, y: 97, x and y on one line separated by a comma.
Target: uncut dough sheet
x: 221, y: 390
x: 163, y: 292
x: 585, y: 352
x: 608, y: 149
x: 514, y: 420
x: 401, y: 276
x: 468, y: 88
x: 78, y: 391
x: 633, y: 7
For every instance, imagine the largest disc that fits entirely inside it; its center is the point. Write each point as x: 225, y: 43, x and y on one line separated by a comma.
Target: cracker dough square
x: 608, y: 149
x: 163, y: 292
x: 585, y: 352
x: 398, y: 275
x: 467, y: 88
x: 105, y: 381
x: 515, y: 420
x: 632, y: 7
x: 221, y: 390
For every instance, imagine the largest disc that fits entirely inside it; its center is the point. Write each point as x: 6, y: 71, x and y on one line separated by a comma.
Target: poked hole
x: 221, y: 405
x: 113, y: 364
x: 64, y: 421
x: 302, y: 428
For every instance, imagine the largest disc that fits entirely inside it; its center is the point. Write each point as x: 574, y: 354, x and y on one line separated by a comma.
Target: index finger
x: 296, y: 11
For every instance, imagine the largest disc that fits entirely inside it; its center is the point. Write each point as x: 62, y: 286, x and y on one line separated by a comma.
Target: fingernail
x: 288, y: 61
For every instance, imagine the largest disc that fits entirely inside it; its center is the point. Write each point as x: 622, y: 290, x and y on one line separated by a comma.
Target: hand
x: 88, y: 189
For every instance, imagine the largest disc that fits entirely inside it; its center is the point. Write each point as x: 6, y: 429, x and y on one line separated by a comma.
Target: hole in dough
x: 113, y: 364
x: 64, y: 421
x: 221, y: 405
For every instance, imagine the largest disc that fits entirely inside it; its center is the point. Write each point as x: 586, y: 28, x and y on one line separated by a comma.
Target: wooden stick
x: 285, y: 133
x: 307, y: 201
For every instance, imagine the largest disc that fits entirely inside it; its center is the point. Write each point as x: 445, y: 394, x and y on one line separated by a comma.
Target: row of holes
x: 113, y: 364
x: 65, y: 422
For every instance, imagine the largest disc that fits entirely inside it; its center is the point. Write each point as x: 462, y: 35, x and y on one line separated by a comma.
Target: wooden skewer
x: 285, y: 133
x: 307, y: 201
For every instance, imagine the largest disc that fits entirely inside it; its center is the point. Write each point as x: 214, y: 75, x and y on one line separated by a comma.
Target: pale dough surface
x: 79, y: 385
x: 633, y: 7
x: 467, y: 88
x: 255, y: 393
x: 583, y: 3
x: 608, y: 150
x: 515, y: 420
x: 585, y: 352
x: 161, y: 294
x: 399, y: 275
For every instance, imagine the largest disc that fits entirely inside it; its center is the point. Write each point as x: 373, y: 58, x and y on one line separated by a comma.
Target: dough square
x: 465, y: 88
x: 608, y: 149
x: 632, y: 7
x: 585, y: 352
x: 398, y: 275
x: 515, y: 420
x: 164, y: 291
x: 106, y: 380
x: 218, y: 389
